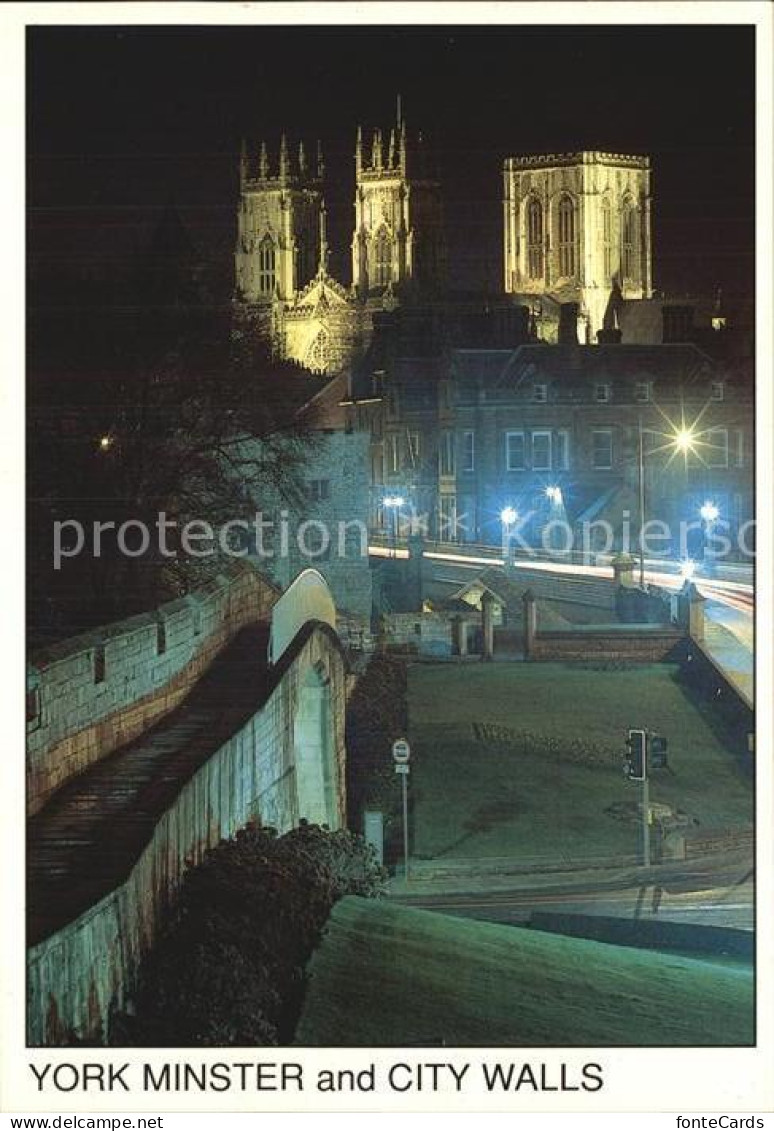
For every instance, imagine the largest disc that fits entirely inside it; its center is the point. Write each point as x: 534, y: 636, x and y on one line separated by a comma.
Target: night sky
x: 123, y: 120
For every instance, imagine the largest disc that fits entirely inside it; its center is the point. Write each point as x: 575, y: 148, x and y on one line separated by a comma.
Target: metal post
x: 646, y: 820
x: 404, y: 778
x: 642, y: 505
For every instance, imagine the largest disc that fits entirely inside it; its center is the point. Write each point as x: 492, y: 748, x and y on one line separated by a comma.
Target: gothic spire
x: 263, y: 162
x: 359, y: 149
x: 376, y: 152
x: 402, y: 146
x: 301, y: 159
x: 243, y: 162
x: 284, y: 160
x: 320, y: 162
x: 322, y: 268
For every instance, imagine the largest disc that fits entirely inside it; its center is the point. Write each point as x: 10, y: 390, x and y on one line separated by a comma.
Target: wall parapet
x: 86, y: 969
x: 92, y: 693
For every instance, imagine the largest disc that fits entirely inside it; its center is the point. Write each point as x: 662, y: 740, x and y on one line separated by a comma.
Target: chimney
x: 568, y: 324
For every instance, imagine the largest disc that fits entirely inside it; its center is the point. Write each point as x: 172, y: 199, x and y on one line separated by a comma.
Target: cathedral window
x: 629, y: 239
x: 567, y: 238
x: 318, y: 355
x: 607, y: 240
x: 535, y: 239
x: 382, y: 258
x: 267, y: 266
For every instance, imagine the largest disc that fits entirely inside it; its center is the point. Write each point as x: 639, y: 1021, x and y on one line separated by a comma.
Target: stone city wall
x: 83, y: 971
x: 88, y: 695
x: 641, y: 643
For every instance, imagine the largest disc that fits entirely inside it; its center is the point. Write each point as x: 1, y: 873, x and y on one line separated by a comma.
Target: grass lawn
x: 391, y: 975
x: 475, y: 799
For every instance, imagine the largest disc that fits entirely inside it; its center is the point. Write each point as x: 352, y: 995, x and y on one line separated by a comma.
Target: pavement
x: 729, y: 639
x: 716, y: 891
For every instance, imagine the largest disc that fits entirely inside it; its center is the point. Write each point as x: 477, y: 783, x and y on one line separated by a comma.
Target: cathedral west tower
x: 397, y: 243
x: 278, y: 224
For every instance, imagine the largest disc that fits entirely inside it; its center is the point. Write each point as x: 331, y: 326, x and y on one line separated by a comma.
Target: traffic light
x: 657, y: 752
x: 637, y: 742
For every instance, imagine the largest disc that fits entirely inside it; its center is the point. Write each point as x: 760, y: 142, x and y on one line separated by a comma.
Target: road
x: 718, y: 906
x: 730, y: 608
x: 712, y: 891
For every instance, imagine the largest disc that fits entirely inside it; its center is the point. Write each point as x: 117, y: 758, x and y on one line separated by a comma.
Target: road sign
x: 401, y: 751
x: 402, y: 768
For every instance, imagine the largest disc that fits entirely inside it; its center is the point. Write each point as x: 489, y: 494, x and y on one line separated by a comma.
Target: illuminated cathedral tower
x: 278, y: 224
x: 397, y: 243
x: 577, y: 229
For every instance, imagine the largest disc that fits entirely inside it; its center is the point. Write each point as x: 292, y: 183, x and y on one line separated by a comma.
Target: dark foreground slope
x: 391, y: 975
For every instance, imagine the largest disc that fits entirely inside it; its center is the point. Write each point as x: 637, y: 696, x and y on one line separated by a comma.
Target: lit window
x: 447, y: 518
x: 541, y: 451
x: 468, y: 451
x: 393, y: 453
x: 318, y: 490
x: 602, y: 449
x: 717, y: 447
x: 607, y: 241
x: 266, y: 266
x: 602, y: 394
x: 567, y: 238
x: 562, y: 450
x: 514, y: 451
x: 382, y: 258
x: 535, y: 239
x: 412, y: 441
x: 446, y: 454
x: 629, y: 241
x: 739, y: 447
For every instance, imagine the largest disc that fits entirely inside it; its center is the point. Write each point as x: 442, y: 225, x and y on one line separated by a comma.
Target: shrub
x: 229, y: 966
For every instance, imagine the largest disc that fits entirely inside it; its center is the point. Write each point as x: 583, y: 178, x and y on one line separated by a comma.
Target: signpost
x: 401, y: 753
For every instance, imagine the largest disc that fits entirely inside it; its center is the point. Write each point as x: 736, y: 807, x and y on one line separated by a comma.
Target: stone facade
x: 577, y: 228
x: 283, y: 291
x: 280, y: 225
x: 463, y: 434
x: 398, y: 241
x: 328, y: 529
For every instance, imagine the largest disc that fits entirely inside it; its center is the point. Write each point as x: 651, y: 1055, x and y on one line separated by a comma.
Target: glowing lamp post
x: 393, y: 503
x: 682, y: 439
x: 709, y: 515
x: 508, y: 517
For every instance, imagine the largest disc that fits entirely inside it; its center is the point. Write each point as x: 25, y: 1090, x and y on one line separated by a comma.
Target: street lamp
x: 105, y: 443
x: 555, y: 495
x: 394, y: 503
x: 682, y: 439
x: 709, y: 514
x: 508, y: 516
x: 687, y: 569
